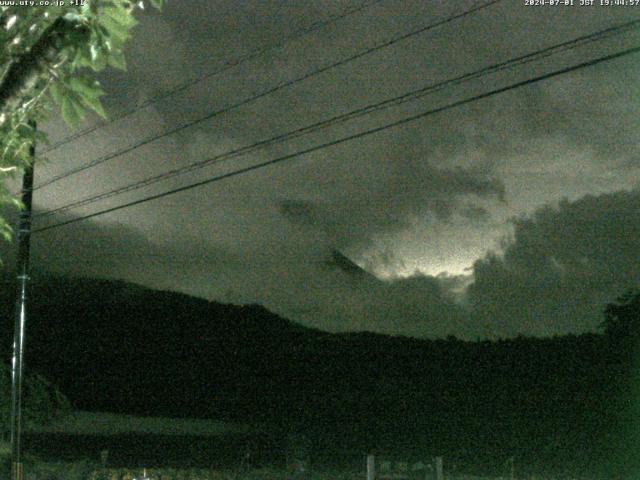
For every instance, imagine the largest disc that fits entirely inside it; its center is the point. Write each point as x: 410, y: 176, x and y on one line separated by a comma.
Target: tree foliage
x: 42, y: 400
x: 622, y: 318
x: 48, y: 56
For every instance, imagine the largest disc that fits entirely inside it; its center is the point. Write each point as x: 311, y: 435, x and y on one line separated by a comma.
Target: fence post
x: 371, y: 467
x: 104, y: 457
x: 439, y: 469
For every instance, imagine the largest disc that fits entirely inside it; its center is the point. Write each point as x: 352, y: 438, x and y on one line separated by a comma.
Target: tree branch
x: 25, y: 72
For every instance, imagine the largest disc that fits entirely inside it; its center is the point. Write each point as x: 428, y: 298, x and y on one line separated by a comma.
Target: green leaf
x: 85, y: 86
x: 94, y: 52
x: 6, y: 231
x: 94, y: 104
x: 25, y: 131
x: 99, y: 64
x: 102, y: 30
x: 119, y: 15
x: 82, y: 58
x: 76, y: 103
x: 71, y: 113
x: 56, y: 92
x: 74, y: 17
x: 88, y: 93
x: 117, y: 60
x: 40, y: 137
x: 115, y: 30
x: 7, y: 199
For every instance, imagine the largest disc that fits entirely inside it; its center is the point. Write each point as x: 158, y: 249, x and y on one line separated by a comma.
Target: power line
x: 263, y: 94
x: 339, y: 141
x: 227, y: 65
x: 410, y: 96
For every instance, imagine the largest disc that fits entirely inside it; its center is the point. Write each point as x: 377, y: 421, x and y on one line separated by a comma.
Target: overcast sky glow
x: 451, y: 224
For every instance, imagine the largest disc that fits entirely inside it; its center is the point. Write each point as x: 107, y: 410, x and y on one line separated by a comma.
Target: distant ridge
x: 104, y: 423
x: 116, y: 347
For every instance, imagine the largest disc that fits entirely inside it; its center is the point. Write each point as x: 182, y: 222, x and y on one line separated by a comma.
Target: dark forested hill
x: 119, y: 347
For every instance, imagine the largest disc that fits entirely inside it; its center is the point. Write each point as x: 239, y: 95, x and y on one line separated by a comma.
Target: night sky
x: 515, y: 214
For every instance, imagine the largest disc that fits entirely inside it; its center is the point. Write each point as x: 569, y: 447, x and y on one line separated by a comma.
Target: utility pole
x: 22, y: 267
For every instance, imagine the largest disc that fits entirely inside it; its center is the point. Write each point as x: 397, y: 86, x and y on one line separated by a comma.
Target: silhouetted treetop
x: 622, y: 318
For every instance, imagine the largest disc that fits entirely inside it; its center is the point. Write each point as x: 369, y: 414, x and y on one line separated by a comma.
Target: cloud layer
x: 561, y: 267
x: 385, y: 232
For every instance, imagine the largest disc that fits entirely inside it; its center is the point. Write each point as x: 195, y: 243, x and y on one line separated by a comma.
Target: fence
x: 202, y: 474
x: 386, y: 469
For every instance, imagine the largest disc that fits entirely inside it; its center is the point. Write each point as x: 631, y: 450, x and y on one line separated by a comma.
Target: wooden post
x: 439, y: 469
x: 371, y: 467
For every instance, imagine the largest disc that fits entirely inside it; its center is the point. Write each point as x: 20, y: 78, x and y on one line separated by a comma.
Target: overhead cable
x: 348, y: 138
x: 265, y: 93
x: 366, y: 110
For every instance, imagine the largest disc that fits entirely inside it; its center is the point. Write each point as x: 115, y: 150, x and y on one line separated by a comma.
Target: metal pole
x: 371, y: 467
x: 24, y: 237
x: 439, y: 469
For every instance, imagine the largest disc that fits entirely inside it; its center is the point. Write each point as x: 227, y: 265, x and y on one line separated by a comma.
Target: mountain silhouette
x: 117, y: 347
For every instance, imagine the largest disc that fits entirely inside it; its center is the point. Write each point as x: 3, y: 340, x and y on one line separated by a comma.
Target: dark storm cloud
x: 298, y: 211
x: 393, y: 201
x: 118, y: 251
x: 88, y: 249
x: 561, y: 267
x: 555, y: 275
x: 347, y: 301
x: 475, y: 213
x: 94, y: 249
x: 344, y: 264
x: 431, y: 196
